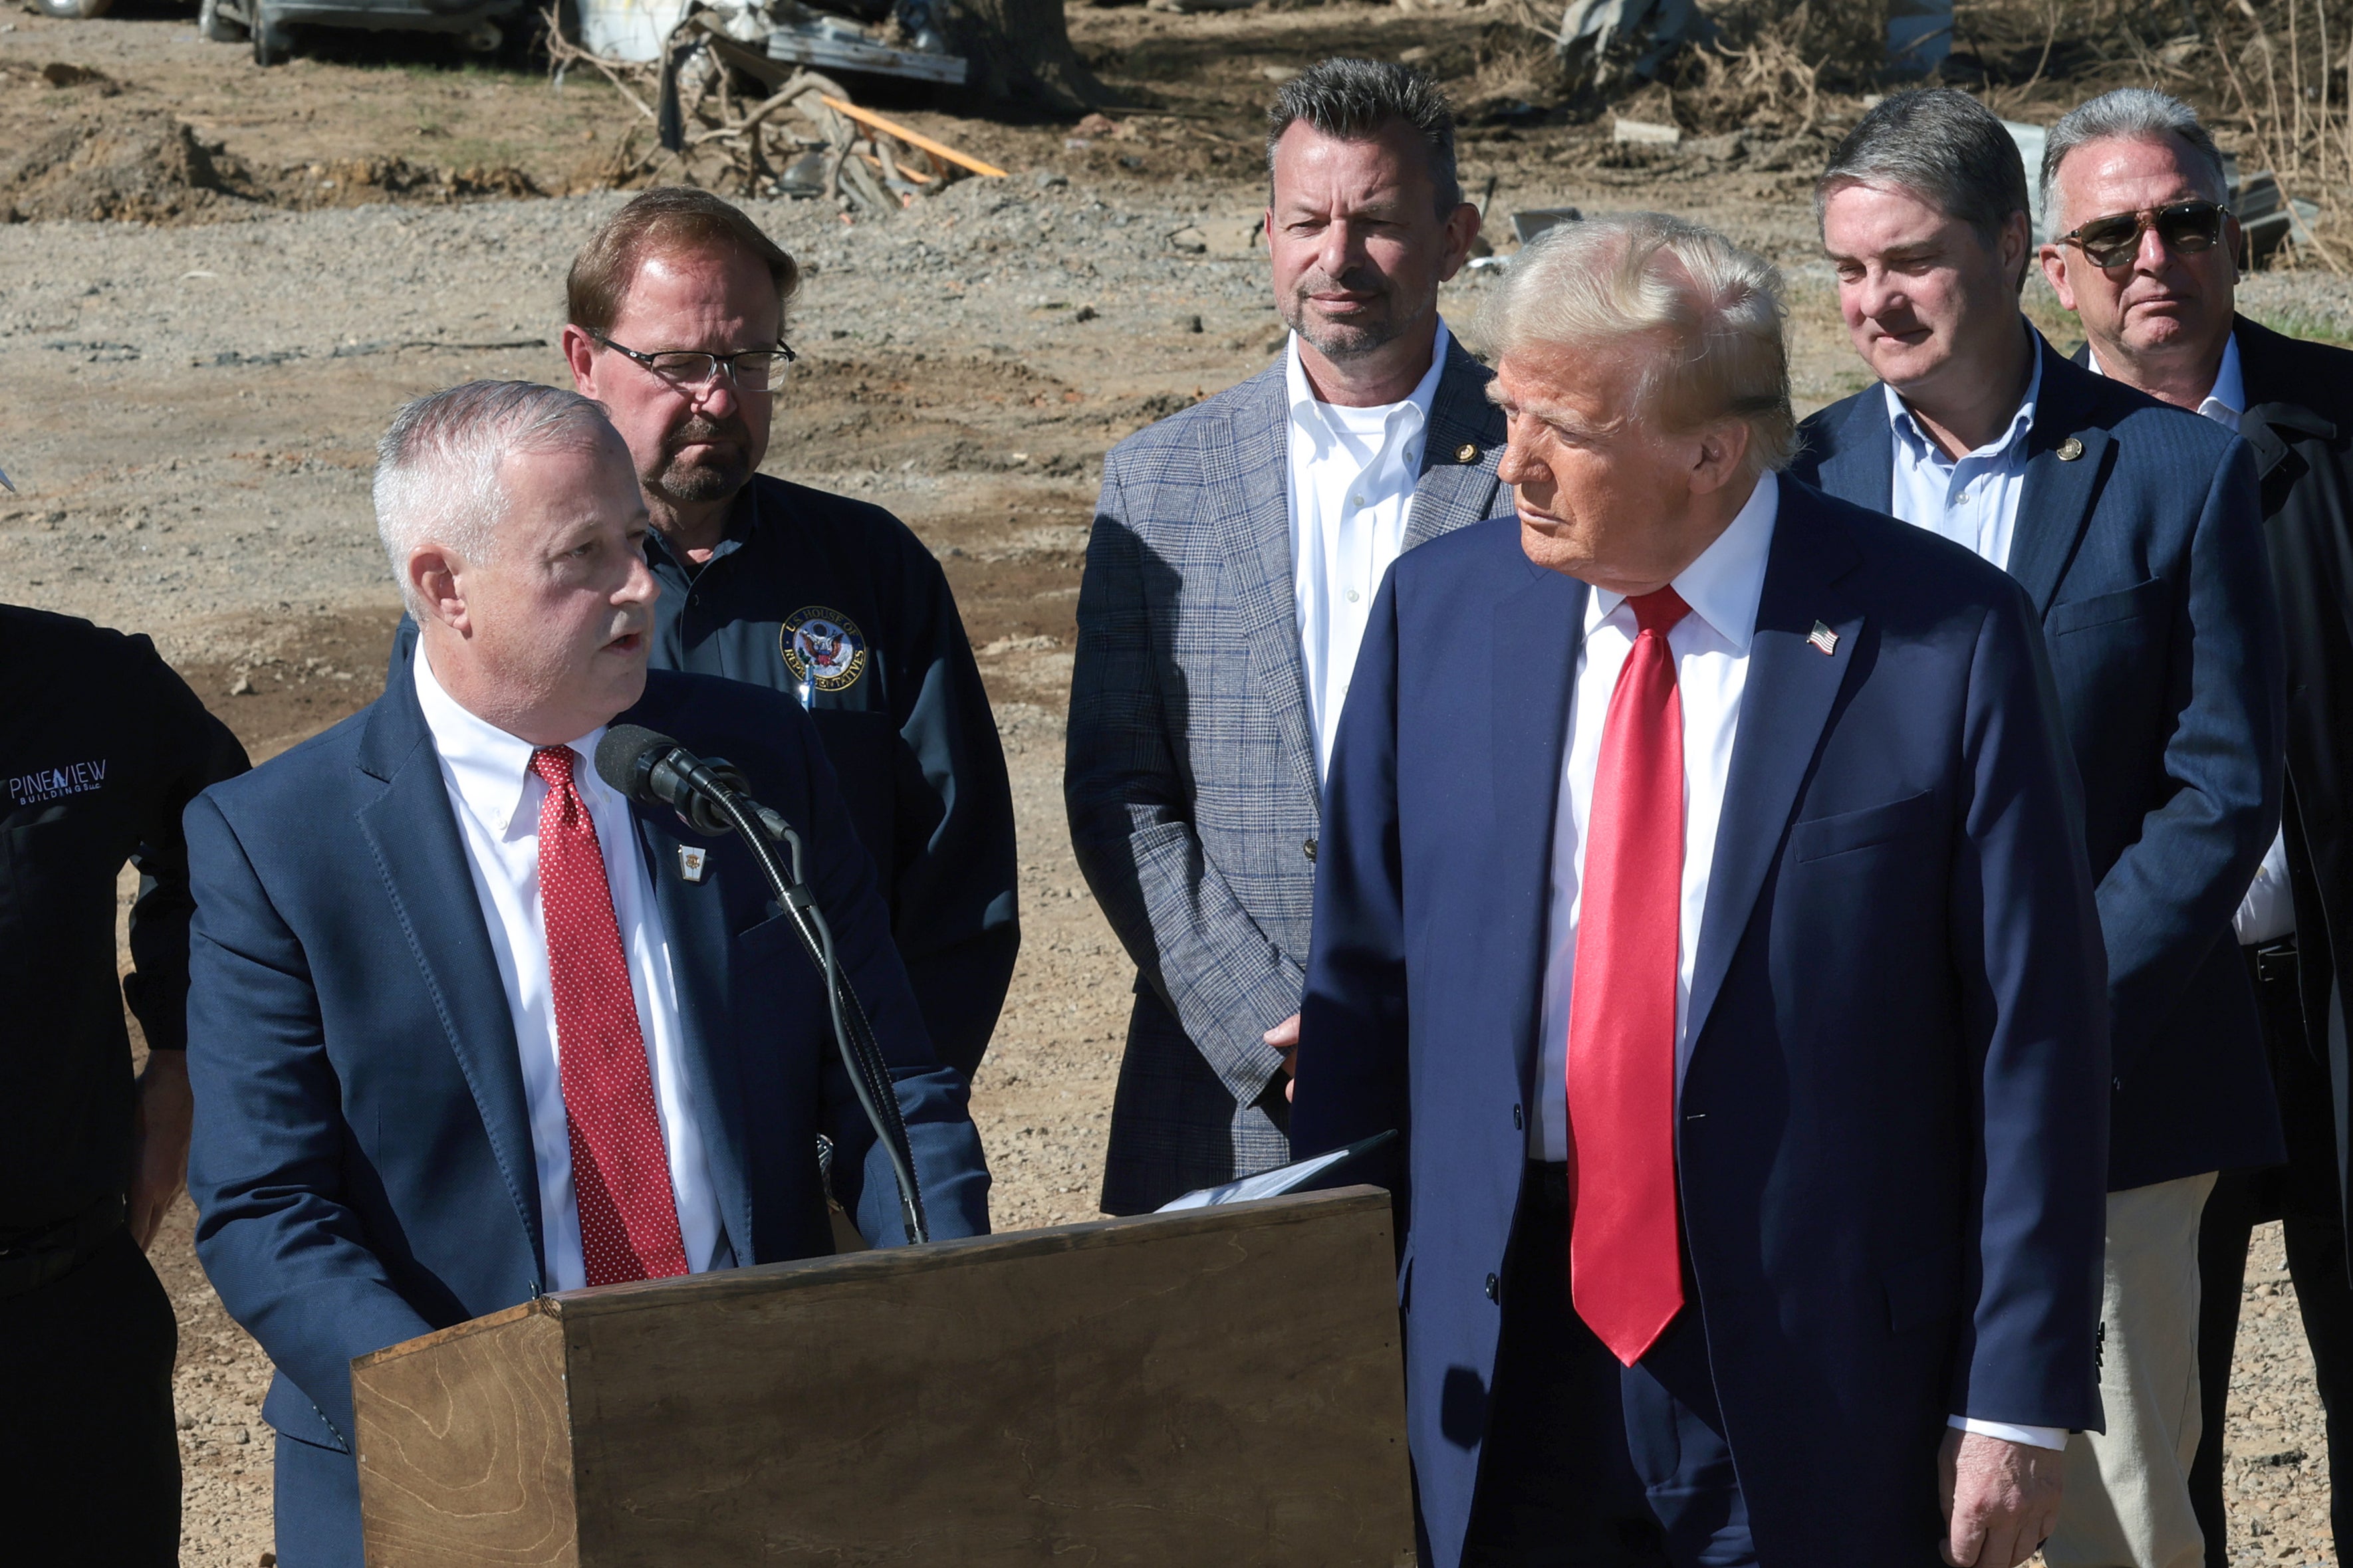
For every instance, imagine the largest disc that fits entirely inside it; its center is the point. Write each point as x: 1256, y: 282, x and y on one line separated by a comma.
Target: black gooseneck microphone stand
x: 712, y: 797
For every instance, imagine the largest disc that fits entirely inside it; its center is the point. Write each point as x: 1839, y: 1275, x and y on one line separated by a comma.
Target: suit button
x: 1308, y: 849
x: 1518, y: 1123
x: 1495, y: 1288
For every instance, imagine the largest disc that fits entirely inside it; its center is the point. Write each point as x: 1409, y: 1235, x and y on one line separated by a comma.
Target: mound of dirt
x: 150, y: 167
x: 144, y: 167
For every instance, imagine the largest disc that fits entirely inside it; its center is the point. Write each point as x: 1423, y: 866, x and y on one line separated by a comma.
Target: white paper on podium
x: 1272, y: 1183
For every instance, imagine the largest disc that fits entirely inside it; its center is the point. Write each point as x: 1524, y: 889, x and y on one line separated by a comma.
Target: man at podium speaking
x: 466, y: 1024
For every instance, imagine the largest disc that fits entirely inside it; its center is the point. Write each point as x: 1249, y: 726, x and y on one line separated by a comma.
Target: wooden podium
x: 1206, y: 1389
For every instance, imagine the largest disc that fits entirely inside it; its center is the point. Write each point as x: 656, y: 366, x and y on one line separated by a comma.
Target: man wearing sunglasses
x: 2134, y: 528
x: 2148, y: 262
x: 677, y: 317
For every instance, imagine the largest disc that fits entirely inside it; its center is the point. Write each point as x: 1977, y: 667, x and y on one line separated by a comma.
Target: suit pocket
x: 1921, y: 1291
x: 2139, y: 601
x: 1822, y: 837
x: 776, y: 938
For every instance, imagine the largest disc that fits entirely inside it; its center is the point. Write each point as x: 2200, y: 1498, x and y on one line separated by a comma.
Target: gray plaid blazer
x: 1190, y: 776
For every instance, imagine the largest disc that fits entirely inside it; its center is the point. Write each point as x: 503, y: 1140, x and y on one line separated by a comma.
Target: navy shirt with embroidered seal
x: 837, y: 602
x: 101, y: 746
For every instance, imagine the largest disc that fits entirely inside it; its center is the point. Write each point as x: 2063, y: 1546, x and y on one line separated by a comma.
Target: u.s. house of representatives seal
x: 823, y: 648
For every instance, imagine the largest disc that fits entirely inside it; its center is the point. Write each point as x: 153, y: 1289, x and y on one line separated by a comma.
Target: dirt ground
x: 190, y: 391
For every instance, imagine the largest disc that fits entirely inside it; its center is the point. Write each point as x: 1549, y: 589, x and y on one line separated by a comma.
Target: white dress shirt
x: 1352, y: 477
x: 497, y: 797
x: 2267, y: 913
x: 1711, y: 647
x: 1971, y: 500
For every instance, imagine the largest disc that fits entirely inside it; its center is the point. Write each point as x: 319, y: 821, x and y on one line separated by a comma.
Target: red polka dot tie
x: 620, y: 1173
x: 1625, y: 1264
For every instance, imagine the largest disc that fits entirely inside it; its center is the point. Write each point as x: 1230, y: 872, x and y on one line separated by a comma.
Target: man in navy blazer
x: 397, y: 920
x: 2137, y: 531
x: 1772, y: 1276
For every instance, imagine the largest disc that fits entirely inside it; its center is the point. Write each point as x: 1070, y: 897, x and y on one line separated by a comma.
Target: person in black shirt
x: 100, y: 747
x: 676, y: 321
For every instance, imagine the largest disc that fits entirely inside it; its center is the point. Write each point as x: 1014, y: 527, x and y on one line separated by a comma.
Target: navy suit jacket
x: 2145, y: 558
x: 362, y: 1166
x: 1890, y: 1128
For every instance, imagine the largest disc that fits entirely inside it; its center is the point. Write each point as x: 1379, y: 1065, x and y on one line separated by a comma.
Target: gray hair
x: 1355, y: 100
x: 2131, y: 114
x: 1941, y: 145
x: 437, y: 467
x: 1713, y: 307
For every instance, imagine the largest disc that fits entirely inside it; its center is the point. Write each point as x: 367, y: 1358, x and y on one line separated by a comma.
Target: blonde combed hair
x: 1714, y: 309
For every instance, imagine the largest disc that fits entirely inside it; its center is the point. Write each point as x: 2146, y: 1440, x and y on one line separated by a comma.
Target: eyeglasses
x: 754, y: 370
x: 2187, y: 228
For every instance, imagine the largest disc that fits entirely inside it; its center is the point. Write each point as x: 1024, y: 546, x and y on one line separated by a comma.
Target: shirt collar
x: 1307, y: 409
x: 2230, y: 387
x: 2229, y: 392
x: 490, y: 769
x: 1908, y: 431
x: 743, y: 518
x: 1723, y: 585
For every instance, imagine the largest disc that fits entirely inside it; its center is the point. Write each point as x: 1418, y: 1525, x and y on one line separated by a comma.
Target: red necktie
x: 620, y: 1173
x: 1625, y: 1270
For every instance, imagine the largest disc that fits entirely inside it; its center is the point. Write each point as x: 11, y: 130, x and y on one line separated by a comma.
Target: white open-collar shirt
x: 496, y: 798
x: 1353, y: 472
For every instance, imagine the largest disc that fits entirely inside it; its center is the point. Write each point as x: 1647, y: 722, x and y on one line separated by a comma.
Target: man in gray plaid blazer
x: 1235, y: 552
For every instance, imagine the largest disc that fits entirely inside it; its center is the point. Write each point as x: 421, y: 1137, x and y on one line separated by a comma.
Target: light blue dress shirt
x: 1971, y: 500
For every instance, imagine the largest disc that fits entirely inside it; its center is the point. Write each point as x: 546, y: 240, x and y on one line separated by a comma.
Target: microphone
x: 713, y: 799
x: 649, y: 767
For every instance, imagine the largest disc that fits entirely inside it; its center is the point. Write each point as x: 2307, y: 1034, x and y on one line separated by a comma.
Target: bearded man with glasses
x: 677, y: 317
x: 2150, y: 269
x: 2134, y: 529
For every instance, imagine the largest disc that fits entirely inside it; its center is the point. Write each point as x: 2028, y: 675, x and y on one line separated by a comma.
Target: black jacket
x: 100, y: 747
x: 838, y: 603
x: 2299, y: 421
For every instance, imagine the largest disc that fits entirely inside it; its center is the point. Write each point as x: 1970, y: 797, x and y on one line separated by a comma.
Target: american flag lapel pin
x: 1822, y: 637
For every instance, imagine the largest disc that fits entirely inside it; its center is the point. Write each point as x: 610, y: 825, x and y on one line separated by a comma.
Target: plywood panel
x: 465, y: 1450
x: 1222, y: 1388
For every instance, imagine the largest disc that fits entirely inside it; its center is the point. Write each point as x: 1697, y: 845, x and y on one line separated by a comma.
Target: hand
x: 159, y: 1168
x: 1285, y: 1037
x: 2000, y: 1498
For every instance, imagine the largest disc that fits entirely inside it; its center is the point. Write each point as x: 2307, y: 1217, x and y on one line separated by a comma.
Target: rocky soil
x: 188, y: 402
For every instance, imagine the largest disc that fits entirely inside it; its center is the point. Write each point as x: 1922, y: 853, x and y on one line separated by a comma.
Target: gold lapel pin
x: 1466, y: 453
x: 2070, y: 449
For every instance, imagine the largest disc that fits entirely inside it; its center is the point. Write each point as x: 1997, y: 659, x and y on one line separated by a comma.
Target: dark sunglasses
x: 2186, y: 227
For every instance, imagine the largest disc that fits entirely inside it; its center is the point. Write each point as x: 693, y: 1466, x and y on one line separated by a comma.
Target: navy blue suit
x: 1891, y: 1126
x: 2144, y: 555
x: 362, y: 1163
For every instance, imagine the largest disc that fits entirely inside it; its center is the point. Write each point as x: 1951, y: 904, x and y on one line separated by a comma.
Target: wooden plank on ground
x: 913, y: 137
